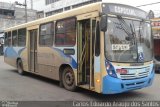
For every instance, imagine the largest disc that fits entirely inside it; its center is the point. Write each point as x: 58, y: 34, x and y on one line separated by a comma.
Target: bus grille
x: 134, y: 75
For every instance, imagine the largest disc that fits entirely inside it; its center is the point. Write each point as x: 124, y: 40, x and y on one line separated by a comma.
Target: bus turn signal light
x: 98, y: 80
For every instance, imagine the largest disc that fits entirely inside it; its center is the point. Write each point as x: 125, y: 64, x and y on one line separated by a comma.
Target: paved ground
x: 14, y: 87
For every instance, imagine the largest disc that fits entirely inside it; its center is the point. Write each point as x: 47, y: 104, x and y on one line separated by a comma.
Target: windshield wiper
x: 125, y: 27
x: 139, y: 31
x: 131, y: 32
x: 135, y: 41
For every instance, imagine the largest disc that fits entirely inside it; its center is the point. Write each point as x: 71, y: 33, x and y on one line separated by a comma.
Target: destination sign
x: 123, y: 10
x: 118, y: 47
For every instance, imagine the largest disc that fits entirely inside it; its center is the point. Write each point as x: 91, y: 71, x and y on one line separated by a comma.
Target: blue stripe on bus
x: 74, y: 64
x: 13, y: 52
x: 20, y: 51
x: 10, y: 52
x: 72, y: 61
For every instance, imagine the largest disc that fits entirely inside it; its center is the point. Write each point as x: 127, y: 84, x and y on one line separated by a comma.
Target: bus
x: 102, y: 47
x: 1, y: 42
x: 156, y: 38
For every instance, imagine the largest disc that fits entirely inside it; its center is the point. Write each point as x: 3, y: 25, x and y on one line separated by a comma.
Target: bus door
x: 33, y: 50
x: 86, y: 51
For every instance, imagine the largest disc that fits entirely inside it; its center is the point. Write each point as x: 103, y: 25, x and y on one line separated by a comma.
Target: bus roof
x: 69, y: 13
x: 77, y: 11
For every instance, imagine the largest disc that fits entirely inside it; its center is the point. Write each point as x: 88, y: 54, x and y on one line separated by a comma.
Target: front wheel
x: 68, y: 79
x: 20, y: 67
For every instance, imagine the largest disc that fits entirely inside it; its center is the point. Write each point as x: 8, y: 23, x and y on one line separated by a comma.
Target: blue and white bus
x: 102, y: 47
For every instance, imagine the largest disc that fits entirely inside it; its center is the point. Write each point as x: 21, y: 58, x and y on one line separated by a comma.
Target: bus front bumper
x: 113, y: 85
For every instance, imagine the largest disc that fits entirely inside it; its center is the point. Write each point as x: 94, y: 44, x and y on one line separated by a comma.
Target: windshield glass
x: 128, y: 40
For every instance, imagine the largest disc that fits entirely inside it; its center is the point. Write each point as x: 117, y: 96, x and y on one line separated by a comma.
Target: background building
x: 57, y: 6
x: 11, y: 15
x: 40, y: 14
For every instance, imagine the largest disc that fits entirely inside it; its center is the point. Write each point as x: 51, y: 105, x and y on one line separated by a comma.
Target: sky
x: 39, y: 4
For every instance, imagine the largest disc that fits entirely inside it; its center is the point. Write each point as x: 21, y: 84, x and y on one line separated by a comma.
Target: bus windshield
x: 128, y: 40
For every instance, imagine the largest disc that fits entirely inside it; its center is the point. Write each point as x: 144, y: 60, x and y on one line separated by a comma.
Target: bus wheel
x: 20, y: 67
x: 68, y: 79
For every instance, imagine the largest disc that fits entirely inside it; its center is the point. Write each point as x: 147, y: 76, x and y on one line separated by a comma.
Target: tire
x: 20, y: 67
x: 68, y: 79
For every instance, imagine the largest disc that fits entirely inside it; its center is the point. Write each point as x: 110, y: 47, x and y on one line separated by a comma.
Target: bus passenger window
x: 22, y: 37
x: 6, y: 39
x: 9, y: 39
x: 14, y: 38
x: 66, y: 32
x: 46, y: 34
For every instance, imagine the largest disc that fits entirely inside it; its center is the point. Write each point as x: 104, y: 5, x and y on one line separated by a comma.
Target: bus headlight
x: 110, y: 70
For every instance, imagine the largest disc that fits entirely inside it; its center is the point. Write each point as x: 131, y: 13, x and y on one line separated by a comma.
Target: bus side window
x: 9, y: 39
x: 22, y: 37
x: 14, y: 38
x: 46, y: 34
x: 97, y: 47
x: 65, y: 32
x: 6, y: 39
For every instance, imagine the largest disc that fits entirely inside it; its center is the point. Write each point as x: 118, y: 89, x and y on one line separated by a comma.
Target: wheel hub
x: 69, y: 78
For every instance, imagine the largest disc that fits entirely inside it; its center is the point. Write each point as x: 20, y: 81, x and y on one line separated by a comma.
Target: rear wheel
x: 20, y: 67
x: 68, y: 79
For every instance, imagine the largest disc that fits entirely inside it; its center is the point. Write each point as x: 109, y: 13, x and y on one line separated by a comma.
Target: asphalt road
x: 14, y: 87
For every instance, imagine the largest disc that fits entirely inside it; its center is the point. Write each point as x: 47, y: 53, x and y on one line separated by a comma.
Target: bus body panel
x: 113, y: 85
x: 50, y: 59
x: 11, y: 54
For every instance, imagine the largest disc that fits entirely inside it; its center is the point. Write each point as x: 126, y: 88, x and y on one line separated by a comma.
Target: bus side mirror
x: 103, y: 23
